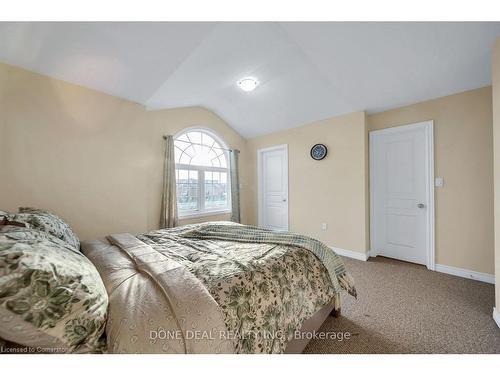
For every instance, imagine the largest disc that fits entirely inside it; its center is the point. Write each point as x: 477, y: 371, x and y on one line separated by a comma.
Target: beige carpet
x: 405, y: 308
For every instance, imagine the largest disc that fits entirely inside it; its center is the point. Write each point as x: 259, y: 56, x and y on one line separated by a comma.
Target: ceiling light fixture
x: 248, y: 83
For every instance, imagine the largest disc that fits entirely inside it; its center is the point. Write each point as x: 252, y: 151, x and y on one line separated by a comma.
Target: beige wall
x: 335, y: 190
x: 92, y: 158
x: 97, y: 160
x: 463, y: 153
x: 331, y: 191
x: 496, y: 133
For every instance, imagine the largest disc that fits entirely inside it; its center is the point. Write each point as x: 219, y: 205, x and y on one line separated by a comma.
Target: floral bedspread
x: 51, y: 296
x: 266, y: 284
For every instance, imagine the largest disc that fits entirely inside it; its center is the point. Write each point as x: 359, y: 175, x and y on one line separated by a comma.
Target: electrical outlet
x: 323, y: 226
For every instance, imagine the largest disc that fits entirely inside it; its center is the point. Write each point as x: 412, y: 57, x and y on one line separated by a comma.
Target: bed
x: 215, y: 287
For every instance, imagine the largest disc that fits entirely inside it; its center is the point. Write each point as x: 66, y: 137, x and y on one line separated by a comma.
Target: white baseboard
x: 468, y: 274
x: 461, y: 272
x: 350, y: 254
x: 496, y: 316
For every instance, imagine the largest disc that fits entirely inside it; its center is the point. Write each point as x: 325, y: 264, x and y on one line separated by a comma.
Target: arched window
x: 202, y: 173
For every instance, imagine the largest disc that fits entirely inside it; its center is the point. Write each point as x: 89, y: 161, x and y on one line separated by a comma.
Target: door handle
x: 421, y: 205
x: 284, y: 199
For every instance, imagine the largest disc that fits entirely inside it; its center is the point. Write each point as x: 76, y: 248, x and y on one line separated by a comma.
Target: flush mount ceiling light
x: 248, y: 83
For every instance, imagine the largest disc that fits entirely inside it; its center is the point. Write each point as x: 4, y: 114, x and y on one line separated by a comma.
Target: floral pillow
x: 47, y: 222
x: 51, y: 295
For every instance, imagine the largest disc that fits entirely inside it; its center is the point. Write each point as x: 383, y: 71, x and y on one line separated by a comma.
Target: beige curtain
x: 169, y: 217
x: 235, y: 185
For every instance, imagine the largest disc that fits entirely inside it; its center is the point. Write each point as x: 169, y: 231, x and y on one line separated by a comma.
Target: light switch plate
x: 439, y: 182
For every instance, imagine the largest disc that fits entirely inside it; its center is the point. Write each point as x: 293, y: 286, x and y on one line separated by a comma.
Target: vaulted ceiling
x: 307, y: 71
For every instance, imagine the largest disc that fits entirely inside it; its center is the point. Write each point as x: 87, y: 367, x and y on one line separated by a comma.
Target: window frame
x: 201, y: 211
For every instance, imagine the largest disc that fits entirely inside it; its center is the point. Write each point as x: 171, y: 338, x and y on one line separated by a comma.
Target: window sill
x: 203, y: 214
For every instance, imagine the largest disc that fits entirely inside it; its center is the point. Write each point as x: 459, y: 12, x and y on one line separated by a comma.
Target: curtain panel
x: 235, y: 185
x: 169, y: 217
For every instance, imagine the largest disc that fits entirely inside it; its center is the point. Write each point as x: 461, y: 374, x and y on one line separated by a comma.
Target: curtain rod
x: 201, y: 144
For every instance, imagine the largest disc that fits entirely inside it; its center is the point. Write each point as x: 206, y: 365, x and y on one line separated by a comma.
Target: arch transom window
x: 202, y: 173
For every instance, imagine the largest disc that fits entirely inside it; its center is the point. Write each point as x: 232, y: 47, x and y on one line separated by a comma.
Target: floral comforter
x: 213, y: 288
x: 51, y: 296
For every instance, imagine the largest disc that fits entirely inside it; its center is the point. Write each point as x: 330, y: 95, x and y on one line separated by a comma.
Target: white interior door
x: 273, y: 187
x: 402, y: 194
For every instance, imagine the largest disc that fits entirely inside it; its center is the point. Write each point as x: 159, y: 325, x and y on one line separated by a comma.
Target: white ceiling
x: 307, y: 71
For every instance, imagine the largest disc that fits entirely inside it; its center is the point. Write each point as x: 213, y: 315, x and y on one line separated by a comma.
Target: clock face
x: 318, y: 151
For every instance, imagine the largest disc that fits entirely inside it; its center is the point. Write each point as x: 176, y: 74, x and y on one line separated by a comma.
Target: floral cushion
x: 51, y: 295
x: 47, y: 222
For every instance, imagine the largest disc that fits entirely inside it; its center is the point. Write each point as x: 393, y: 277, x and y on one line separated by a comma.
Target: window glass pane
x: 187, y: 189
x: 178, y: 153
x: 185, y: 159
x: 194, y: 137
x: 183, y: 137
x: 222, y: 160
x: 203, y: 157
x: 215, y: 190
x: 181, y: 147
x: 208, y: 140
x: 199, y: 148
x: 215, y: 160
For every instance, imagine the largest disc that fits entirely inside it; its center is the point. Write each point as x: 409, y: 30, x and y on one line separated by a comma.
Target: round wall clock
x: 318, y: 151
